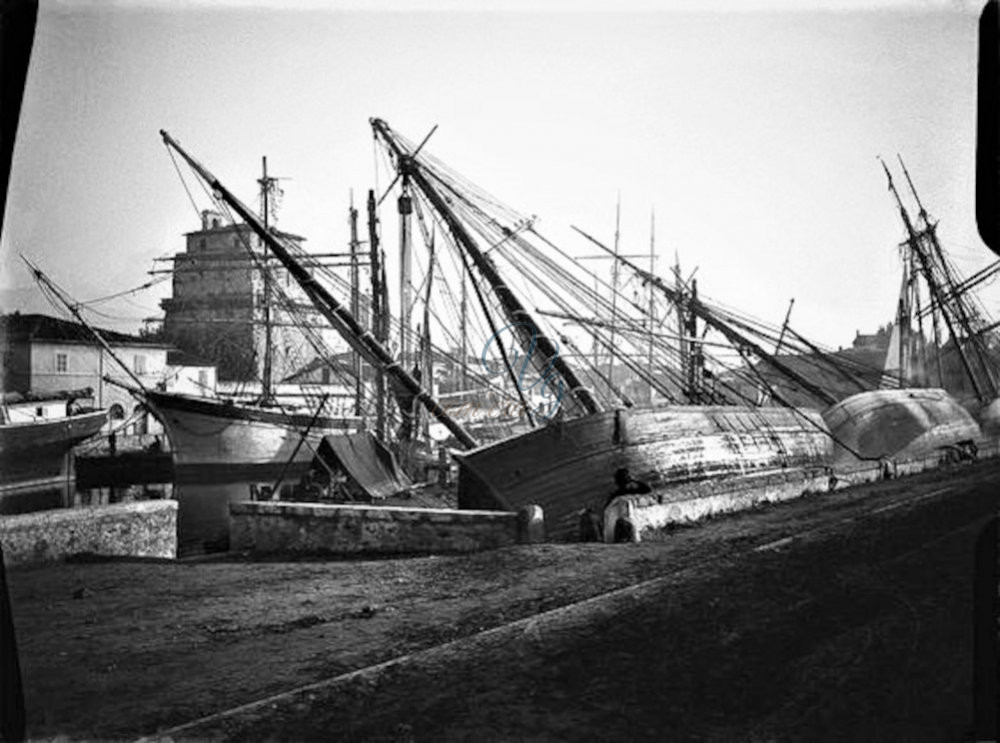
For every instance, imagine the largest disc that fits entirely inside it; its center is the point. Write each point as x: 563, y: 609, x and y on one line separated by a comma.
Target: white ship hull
x: 239, y: 440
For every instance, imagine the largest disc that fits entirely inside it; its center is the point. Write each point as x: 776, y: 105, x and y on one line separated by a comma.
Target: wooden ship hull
x: 908, y: 422
x: 989, y: 418
x: 37, y: 454
x: 221, y: 439
x: 565, y: 467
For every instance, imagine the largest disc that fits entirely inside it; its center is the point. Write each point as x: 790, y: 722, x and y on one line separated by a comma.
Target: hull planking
x: 567, y: 466
x: 911, y: 422
x: 37, y: 453
x: 208, y: 433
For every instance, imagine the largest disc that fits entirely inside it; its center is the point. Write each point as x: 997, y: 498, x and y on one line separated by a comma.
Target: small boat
x: 37, y: 434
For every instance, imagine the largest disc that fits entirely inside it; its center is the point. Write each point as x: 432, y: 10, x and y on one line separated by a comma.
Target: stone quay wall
x: 140, y: 529
x: 280, y: 528
x: 654, y: 512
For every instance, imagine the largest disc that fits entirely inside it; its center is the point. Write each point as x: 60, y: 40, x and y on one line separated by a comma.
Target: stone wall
x: 142, y: 529
x: 689, y: 503
x: 314, y: 529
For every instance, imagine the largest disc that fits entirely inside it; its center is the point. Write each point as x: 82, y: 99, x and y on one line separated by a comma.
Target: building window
x: 202, y: 244
x: 203, y: 379
x: 62, y: 363
x: 139, y: 364
x: 141, y: 420
x: 117, y: 412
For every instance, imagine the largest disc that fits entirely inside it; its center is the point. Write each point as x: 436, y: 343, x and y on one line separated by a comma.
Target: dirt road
x: 842, y: 616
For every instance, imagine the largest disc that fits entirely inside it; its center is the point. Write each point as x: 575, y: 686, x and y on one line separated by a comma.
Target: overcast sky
x: 751, y: 130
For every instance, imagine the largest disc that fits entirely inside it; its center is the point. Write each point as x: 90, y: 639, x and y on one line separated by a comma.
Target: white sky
x: 752, y: 131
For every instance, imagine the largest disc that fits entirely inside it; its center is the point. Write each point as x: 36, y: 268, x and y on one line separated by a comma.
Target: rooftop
x: 36, y: 327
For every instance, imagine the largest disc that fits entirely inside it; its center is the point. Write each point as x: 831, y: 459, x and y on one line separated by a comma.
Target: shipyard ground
x: 846, y: 616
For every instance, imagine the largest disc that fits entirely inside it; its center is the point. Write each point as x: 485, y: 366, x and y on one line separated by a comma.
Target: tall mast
x: 405, y: 205
x: 379, y: 311
x: 359, y: 387
x: 784, y: 326
x: 651, y: 313
x: 918, y: 312
x: 913, y: 239
x: 427, y: 360
x: 764, y: 391
x: 950, y: 290
x: 935, y: 310
x: 683, y: 346
x: 332, y: 309
x: 594, y: 345
x: 917, y: 340
x: 523, y: 324
x: 920, y: 206
x: 614, y: 287
x: 696, y: 359
x: 904, y: 332
x: 464, y: 331
x: 267, y: 392
x: 732, y: 335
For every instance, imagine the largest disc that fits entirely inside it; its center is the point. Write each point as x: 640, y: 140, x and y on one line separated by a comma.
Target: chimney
x: 211, y: 220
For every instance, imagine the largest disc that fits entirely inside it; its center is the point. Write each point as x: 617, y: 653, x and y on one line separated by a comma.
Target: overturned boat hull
x: 217, y: 439
x: 567, y: 466
x: 887, y: 424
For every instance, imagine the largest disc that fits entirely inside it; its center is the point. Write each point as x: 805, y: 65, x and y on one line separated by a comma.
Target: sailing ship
x: 340, y: 318
x: 37, y: 434
x: 906, y: 421
x: 569, y: 463
x: 394, y: 377
x: 248, y: 436
x: 214, y: 439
